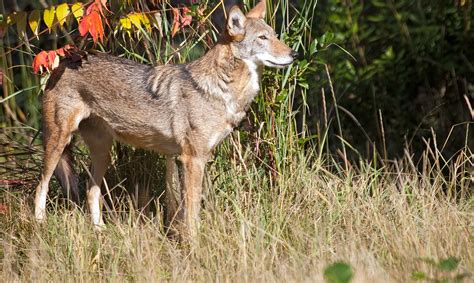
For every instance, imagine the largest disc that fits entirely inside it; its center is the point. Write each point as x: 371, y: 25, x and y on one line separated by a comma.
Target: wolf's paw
x: 99, y: 227
x: 40, y: 216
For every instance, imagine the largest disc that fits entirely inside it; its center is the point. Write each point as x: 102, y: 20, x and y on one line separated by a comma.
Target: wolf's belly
x: 155, y: 142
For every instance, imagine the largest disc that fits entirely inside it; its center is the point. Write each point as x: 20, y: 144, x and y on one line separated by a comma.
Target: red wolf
x: 181, y: 111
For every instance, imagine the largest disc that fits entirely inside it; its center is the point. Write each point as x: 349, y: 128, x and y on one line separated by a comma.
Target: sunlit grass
x: 380, y: 221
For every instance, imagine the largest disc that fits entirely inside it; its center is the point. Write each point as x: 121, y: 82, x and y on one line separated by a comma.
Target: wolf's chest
x: 217, y: 136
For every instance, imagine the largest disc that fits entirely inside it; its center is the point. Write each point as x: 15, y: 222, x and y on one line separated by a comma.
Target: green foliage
x: 338, y: 272
x: 409, y: 59
x: 444, y: 271
x: 448, y: 264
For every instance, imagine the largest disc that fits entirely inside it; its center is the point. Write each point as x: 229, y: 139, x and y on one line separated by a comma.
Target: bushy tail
x: 66, y: 175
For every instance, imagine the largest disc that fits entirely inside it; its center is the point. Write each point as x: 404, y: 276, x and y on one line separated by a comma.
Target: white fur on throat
x: 253, y: 74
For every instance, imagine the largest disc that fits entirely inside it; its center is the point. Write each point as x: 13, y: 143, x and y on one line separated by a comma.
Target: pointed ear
x: 236, y: 23
x: 258, y: 11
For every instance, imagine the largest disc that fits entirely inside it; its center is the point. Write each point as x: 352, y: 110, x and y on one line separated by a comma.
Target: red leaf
x: 186, y: 17
x: 93, y: 7
x: 41, y: 60
x: 180, y: 20
x: 51, y: 57
x: 100, y: 4
x: 92, y: 21
x: 46, y: 59
x: 61, y: 52
x: 84, y: 26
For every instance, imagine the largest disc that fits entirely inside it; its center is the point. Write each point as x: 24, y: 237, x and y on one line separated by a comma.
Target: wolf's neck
x: 225, y: 77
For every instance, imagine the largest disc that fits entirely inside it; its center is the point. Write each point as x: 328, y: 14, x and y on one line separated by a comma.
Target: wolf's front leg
x: 193, y: 171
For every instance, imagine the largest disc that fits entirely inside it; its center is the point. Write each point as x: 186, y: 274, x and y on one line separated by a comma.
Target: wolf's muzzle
x: 294, y: 54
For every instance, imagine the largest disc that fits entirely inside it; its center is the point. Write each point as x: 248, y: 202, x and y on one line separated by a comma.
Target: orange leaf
x: 176, y: 24
x: 41, y: 60
x: 92, y: 22
x: 96, y: 27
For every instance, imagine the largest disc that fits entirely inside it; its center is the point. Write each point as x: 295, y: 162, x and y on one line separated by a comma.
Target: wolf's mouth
x: 279, y: 64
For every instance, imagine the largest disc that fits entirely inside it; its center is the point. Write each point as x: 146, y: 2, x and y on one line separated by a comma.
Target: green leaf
x: 62, y: 11
x: 338, y: 272
x: 21, y: 23
x: 327, y: 37
x: 449, y: 264
x: 48, y: 17
x: 303, y: 83
x: 34, y: 21
x: 389, y: 53
x: 313, y: 48
x: 302, y: 141
x: 418, y: 275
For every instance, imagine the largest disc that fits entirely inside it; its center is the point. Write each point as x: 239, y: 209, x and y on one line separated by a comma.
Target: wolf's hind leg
x: 57, y: 133
x: 99, y: 142
x: 173, y: 191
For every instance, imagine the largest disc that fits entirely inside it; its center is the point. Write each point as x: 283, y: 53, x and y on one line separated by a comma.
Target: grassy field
x: 385, y: 222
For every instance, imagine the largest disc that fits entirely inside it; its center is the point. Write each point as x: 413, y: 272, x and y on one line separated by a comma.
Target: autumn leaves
x: 49, y: 60
x: 91, y: 20
x: 52, y: 18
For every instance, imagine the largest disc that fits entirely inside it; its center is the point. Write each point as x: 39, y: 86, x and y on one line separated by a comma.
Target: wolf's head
x: 252, y: 39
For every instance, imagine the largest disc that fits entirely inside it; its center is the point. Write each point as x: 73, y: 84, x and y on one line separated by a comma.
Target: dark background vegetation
x: 411, y: 73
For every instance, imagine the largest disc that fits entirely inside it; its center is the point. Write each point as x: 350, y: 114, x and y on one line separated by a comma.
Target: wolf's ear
x: 258, y: 11
x: 236, y: 23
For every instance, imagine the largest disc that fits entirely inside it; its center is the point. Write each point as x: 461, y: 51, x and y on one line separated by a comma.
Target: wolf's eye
x: 263, y: 37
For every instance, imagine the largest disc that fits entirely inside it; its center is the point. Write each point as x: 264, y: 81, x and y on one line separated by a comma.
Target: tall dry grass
x: 382, y: 221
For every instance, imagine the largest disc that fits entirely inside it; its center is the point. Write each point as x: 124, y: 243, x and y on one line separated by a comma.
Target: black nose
x: 294, y: 54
